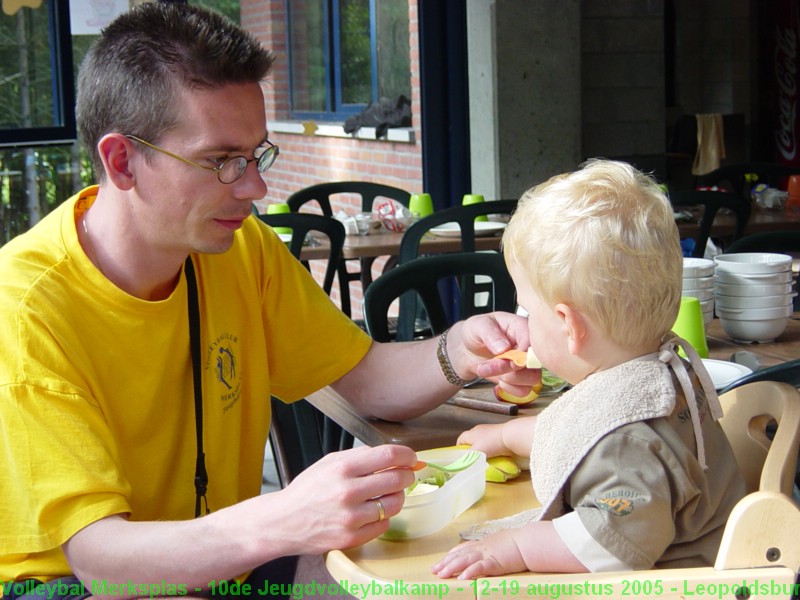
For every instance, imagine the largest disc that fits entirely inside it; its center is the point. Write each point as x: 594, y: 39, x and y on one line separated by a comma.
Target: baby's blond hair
x: 603, y: 240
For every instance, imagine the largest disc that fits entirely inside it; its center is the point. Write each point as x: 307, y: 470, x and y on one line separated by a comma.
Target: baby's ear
x: 575, y: 327
x: 116, y: 151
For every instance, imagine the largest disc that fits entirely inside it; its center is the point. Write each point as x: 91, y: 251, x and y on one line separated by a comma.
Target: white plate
x: 285, y: 237
x: 482, y: 228
x: 723, y: 372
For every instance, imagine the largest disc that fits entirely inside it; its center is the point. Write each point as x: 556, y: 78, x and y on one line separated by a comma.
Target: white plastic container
x: 427, y: 513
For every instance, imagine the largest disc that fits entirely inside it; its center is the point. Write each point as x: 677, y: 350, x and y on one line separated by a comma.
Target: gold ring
x: 381, y: 513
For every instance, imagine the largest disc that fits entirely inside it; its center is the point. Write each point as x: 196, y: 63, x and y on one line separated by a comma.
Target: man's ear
x: 116, y: 153
x: 574, y: 325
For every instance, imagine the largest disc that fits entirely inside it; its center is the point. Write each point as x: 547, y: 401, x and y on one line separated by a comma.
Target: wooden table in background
x: 724, y: 225
x: 442, y: 426
x: 387, y: 243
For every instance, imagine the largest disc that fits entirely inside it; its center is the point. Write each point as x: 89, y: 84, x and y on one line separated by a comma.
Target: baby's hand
x: 486, y: 438
x: 497, y: 554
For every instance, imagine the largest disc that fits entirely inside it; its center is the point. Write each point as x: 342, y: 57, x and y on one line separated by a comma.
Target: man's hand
x: 335, y: 502
x: 473, y: 344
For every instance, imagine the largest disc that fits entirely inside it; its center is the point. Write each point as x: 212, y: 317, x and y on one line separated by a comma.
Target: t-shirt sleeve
x: 621, y: 494
x: 84, y: 481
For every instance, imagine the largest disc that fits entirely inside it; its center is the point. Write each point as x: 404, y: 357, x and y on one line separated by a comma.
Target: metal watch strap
x: 445, y: 364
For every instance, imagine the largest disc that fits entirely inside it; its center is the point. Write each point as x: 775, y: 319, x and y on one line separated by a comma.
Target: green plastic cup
x: 474, y: 199
x: 689, y: 325
x: 420, y: 205
x: 279, y: 208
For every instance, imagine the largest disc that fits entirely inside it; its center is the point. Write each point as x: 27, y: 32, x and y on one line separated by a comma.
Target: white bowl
x: 697, y: 267
x: 776, y: 278
x: 762, y: 330
x: 702, y: 295
x: 698, y: 283
x: 736, y: 289
x: 753, y: 262
x: 754, y: 314
x: 754, y: 301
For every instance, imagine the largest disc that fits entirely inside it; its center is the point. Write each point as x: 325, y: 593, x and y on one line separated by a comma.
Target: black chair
x: 301, y: 225
x: 463, y: 215
x: 712, y: 202
x: 423, y: 276
x: 733, y: 177
x: 300, y: 434
x: 321, y: 195
x: 784, y: 242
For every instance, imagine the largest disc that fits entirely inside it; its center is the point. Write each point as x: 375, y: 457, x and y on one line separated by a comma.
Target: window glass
x: 356, y: 51
x: 394, y: 62
x: 26, y: 80
x: 308, y: 56
x: 345, y: 54
x: 229, y: 8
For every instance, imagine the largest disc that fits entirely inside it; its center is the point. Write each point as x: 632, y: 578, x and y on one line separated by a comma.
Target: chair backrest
x: 766, y: 464
x: 762, y: 528
x: 712, y: 203
x: 422, y: 276
x: 463, y: 215
x: 321, y: 194
x: 732, y: 176
x: 301, y: 224
x: 787, y: 242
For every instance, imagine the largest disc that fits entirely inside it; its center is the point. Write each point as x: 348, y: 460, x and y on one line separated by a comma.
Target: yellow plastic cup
x: 420, y: 205
x: 279, y: 208
x: 689, y: 325
x: 474, y: 199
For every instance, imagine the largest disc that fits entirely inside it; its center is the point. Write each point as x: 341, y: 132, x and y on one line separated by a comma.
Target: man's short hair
x: 131, y: 76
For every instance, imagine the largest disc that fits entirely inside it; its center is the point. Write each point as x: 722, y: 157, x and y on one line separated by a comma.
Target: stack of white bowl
x: 698, y: 281
x: 753, y: 294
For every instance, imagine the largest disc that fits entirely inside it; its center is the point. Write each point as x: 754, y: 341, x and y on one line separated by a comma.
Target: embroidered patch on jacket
x: 618, y: 502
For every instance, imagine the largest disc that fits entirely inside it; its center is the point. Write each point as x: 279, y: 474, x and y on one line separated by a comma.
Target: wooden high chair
x: 759, y: 555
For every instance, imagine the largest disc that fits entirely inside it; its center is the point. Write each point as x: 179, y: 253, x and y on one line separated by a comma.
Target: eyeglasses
x: 230, y: 169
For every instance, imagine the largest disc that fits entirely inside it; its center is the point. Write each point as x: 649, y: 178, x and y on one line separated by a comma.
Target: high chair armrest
x: 761, y: 532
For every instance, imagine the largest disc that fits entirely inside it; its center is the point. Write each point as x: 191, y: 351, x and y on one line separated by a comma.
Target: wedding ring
x: 381, y: 513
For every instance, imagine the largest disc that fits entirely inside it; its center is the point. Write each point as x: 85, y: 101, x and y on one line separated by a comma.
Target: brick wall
x: 309, y: 159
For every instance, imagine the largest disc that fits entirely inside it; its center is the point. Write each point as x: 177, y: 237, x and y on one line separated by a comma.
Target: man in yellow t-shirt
x: 96, y: 378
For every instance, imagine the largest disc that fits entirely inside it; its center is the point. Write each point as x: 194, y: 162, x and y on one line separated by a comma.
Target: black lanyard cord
x: 200, y: 474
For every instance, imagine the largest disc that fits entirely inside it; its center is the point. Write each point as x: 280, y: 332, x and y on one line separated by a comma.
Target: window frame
x: 65, y: 131
x: 335, y: 109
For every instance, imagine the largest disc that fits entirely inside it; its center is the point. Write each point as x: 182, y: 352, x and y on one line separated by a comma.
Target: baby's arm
x: 532, y: 547
x: 514, y: 437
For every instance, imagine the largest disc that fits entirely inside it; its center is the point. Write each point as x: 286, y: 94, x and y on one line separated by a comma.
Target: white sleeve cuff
x: 584, y: 547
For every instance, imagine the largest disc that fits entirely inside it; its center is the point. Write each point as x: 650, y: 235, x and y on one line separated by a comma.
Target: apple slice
x: 505, y: 396
x: 522, y: 358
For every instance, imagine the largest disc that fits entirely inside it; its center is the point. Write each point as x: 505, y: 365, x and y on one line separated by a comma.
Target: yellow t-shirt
x: 96, y: 397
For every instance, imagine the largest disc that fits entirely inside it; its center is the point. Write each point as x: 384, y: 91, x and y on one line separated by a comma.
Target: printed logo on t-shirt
x: 222, y: 358
x: 619, y: 502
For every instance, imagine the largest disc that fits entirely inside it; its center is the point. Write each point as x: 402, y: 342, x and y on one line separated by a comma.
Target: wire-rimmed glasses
x: 230, y: 169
